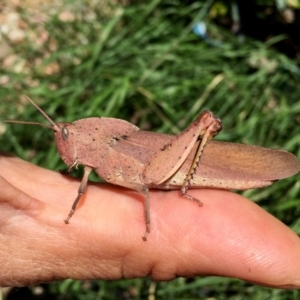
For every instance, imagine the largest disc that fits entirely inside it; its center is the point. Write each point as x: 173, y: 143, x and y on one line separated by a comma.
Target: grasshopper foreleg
x: 81, y: 190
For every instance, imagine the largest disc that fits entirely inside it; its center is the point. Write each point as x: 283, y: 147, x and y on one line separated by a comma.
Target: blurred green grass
x: 142, y: 63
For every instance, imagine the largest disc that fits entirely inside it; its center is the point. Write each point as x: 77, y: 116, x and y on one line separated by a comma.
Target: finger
x: 229, y: 236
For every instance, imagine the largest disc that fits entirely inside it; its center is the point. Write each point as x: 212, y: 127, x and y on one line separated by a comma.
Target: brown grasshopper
x: 122, y: 154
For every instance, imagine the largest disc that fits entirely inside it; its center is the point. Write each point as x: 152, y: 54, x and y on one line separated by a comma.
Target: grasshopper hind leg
x: 183, y: 193
x: 210, y: 132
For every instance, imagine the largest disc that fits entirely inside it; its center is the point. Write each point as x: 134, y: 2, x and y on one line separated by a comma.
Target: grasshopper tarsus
x: 71, y: 213
x: 145, y: 236
x: 67, y: 220
x: 64, y: 172
x: 69, y: 216
x: 185, y: 195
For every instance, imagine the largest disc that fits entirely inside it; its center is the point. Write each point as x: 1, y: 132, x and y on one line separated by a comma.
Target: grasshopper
x: 122, y: 154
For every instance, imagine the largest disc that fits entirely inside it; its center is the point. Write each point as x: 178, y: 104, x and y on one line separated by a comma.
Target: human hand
x: 229, y: 236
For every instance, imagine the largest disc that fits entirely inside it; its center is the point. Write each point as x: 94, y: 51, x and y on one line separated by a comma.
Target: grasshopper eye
x: 65, y: 133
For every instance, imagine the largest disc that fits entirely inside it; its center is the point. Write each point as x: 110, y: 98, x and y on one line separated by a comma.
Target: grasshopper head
x: 65, y: 137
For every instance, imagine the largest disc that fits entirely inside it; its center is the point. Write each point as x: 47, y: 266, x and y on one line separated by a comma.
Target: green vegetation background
x: 143, y: 63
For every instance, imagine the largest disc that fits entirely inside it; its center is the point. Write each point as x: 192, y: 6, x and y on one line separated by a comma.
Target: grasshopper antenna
x: 54, y: 127
x: 28, y: 123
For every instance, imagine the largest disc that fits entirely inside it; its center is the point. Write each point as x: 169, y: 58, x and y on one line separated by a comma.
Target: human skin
x: 229, y: 236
